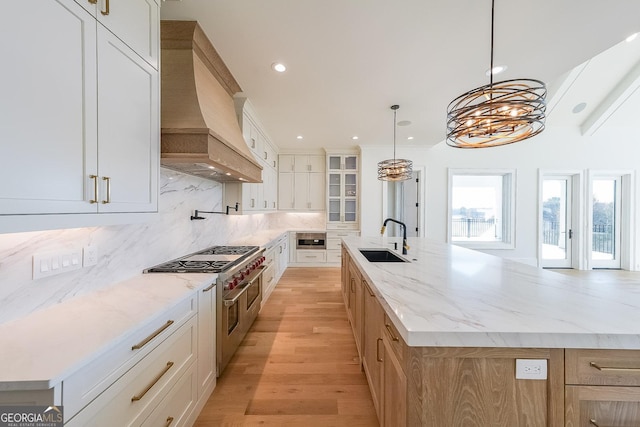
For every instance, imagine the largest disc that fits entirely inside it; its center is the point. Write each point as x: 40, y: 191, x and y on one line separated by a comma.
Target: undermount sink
x: 381, y: 255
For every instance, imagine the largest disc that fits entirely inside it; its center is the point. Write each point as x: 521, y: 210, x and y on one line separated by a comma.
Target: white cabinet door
x: 136, y: 22
x: 128, y: 130
x: 286, y: 163
x: 309, y: 163
x: 317, y: 163
x: 48, y: 109
x: 316, y: 191
x: 206, y: 339
x: 301, y: 192
x: 285, y: 191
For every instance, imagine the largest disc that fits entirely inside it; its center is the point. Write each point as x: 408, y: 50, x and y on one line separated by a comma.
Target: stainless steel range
x: 238, y: 290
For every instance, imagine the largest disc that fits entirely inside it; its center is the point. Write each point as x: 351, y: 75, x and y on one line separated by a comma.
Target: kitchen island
x: 440, y: 337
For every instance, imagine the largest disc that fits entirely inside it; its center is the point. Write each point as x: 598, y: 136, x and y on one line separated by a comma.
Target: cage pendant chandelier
x: 498, y: 113
x: 395, y: 169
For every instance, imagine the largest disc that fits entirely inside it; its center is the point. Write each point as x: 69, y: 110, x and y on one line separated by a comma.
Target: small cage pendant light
x: 395, y: 169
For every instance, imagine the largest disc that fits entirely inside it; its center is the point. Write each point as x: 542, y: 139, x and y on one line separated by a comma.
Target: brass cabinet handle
x: 169, y: 421
x: 152, y: 383
x: 611, y: 368
x: 352, y: 282
x: 95, y: 189
x: 208, y: 288
x: 93, y: 1
x: 106, y: 8
x: 366, y: 285
x: 378, y: 358
x: 108, y: 180
x: 152, y: 336
x: 393, y: 337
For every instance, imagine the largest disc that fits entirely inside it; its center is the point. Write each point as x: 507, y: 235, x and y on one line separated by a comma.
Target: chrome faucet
x: 405, y: 247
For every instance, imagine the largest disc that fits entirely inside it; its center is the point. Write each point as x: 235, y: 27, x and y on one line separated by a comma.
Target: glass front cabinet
x: 342, y: 191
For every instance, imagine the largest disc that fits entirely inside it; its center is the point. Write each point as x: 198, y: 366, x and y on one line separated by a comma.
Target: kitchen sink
x: 381, y: 255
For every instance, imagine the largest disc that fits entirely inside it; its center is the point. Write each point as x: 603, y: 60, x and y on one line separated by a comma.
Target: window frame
x: 508, y: 208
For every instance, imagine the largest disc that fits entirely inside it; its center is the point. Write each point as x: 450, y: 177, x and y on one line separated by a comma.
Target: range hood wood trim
x: 189, y: 35
x: 200, y: 130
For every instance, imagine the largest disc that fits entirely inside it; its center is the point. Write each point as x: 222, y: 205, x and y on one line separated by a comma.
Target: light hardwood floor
x: 298, y: 365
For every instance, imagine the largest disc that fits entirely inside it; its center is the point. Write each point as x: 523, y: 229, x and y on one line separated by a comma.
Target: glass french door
x: 605, y: 221
x: 557, y: 233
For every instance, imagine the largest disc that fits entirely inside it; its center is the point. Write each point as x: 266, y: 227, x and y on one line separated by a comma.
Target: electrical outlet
x: 90, y: 256
x: 531, y: 369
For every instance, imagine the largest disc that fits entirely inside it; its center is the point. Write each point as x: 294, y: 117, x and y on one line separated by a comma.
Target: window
x: 481, y: 208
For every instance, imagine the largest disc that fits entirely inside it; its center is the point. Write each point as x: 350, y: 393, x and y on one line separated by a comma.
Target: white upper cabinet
x: 127, y: 133
x: 302, y: 163
x: 47, y: 113
x: 342, y: 162
x: 135, y: 22
x: 80, y: 115
x: 301, y: 182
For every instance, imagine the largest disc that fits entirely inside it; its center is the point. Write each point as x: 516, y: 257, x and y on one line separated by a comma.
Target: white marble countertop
x: 39, y: 350
x: 450, y: 296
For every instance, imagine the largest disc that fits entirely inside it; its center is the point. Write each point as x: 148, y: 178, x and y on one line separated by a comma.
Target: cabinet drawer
x: 177, y: 405
x: 311, y: 256
x: 334, y: 257
x: 339, y: 234
x: 603, y: 367
x: 87, y: 383
x: 334, y: 243
x: 132, y: 397
x: 596, y: 406
x: 396, y: 342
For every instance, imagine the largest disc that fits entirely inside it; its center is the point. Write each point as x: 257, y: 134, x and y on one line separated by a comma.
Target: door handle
x: 570, y: 234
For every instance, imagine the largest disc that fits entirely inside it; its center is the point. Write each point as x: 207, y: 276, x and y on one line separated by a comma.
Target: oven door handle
x: 228, y: 302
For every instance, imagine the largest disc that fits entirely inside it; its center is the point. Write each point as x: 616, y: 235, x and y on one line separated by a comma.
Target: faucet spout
x: 405, y: 246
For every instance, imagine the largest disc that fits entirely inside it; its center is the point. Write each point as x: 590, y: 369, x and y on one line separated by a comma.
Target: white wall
x: 125, y: 250
x: 557, y: 148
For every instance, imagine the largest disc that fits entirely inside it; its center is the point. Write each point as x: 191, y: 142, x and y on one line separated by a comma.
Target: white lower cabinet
x: 176, y: 407
x: 206, y: 340
x: 135, y: 395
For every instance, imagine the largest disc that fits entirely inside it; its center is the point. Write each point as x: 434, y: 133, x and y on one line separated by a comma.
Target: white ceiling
x: 350, y: 60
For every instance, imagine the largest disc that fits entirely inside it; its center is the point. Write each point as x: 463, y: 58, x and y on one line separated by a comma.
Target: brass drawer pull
x: 378, y: 358
x: 208, y: 288
x: 152, y: 383
x: 152, y: 336
x: 393, y: 337
x: 352, y: 282
x: 95, y: 189
x: 610, y: 368
x: 93, y: 1
x: 169, y: 421
x: 371, y: 294
x: 106, y: 8
x: 106, y: 178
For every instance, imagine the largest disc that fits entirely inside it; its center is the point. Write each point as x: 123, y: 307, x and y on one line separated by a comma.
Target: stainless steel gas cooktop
x: 211, y: 260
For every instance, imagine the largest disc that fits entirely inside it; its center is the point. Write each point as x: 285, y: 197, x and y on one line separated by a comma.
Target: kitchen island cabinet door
x: 373, y: 322
x: 394, y: 396
x: 128, y: 130
x: 48, y: 109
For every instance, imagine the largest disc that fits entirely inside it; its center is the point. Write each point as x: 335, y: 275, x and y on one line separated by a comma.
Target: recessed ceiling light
x: 404, y: 123
x: 410, y: 138
x: 299, y: 137
x: 579, y: 107
x: 279, y: 67
x: 496, y: 70
x: 632, y: 37
x: 228, y: 174
x: 211, y: 167
x: 354, y: 137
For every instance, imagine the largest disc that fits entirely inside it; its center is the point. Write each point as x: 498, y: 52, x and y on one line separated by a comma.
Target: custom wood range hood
x: 200, y: 132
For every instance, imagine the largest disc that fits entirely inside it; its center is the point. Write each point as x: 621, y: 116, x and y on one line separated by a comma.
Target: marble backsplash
x: 125, y: 250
